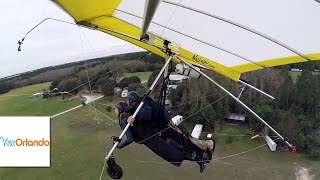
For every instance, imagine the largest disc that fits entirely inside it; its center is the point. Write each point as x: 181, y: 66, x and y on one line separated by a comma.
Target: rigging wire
x: 87, y: 73
x: 85, y: 61
x: 216, y: 159
x: 47, y: 93
x: 171, y: 16
x: 95, y: 109
x: 205, y: 107
x: 20, y: 42
x: 103, y: 114
x: 43, y: 22
x: 102, y: 170
x: 105, y: 104
x: 237, y: 135
x: 93, y: 51
x: 237, y: 154
x: 195, y: 100
x: 9, y: 95
x: 175, y: 105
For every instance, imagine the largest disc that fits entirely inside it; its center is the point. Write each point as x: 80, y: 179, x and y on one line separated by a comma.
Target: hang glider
x: 229, y: 37
x: 219, y: 35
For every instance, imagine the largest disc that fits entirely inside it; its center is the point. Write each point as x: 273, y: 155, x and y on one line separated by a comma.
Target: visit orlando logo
x: 8, y: 142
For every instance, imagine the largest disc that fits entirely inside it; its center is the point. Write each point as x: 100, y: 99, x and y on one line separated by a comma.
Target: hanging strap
x: 162, y: 97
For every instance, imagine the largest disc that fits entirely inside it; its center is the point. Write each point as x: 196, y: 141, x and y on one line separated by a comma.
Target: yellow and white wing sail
x: 230, y: 37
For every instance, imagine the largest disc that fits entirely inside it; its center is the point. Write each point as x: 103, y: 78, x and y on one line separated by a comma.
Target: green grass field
x: 142, y: 75
x: 81, y: 138
x: 294, y: 75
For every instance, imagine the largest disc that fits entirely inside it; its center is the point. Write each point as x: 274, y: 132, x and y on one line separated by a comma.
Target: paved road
x: 89, y: 99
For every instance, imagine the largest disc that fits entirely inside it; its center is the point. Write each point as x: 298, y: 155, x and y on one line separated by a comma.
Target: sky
x: 52, y: 43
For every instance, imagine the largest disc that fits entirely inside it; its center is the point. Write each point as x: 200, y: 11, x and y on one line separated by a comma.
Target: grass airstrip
x: 80, y: 139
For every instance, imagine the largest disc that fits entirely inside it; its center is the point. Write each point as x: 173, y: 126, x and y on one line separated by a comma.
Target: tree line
x: 76, y: 72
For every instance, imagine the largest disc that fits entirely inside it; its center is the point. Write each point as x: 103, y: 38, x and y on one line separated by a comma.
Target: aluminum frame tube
x: 262, y: 92
x: 150, y: 8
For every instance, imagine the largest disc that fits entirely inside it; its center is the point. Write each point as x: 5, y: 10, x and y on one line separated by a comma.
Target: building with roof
x: 175, y: 79
x: 236, y: 118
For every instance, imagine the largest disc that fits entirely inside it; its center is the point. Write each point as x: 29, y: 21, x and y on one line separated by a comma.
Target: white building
x: 295, y: 70
x: 175, y: 79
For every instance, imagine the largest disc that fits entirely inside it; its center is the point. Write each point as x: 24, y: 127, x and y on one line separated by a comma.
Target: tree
x: 136, y: 87
x: 110, y: 66
x: 265, y: 110
x: 54, y: 84
x: 175, y: 95
x: 152, y: 77
x: 314, y: 142
x: 286, y: 93
x: 287, y: 124
x: 129, y: 80
x: 106, y: 86
x: 136, y: 66
x: 204, y: 113
x: 6, y: 87
x: 307, y: 94
x: 69, y: 84
x: 91, y: 73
